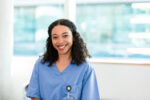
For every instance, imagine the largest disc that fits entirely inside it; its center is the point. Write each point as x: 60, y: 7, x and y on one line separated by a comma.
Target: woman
x: 62, y: 73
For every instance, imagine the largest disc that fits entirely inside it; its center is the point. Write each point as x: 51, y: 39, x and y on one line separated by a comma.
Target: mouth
x: 61, y: 47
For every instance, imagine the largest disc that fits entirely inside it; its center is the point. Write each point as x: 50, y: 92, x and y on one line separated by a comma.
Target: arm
x: 33, y: 90
x: 35, y: 99
x: 90, y: 87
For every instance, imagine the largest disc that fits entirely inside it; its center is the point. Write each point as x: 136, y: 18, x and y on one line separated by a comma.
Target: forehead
x: 60, y: 29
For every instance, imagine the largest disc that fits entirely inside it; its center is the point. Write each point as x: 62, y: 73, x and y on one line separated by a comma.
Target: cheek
x: 71, y: 40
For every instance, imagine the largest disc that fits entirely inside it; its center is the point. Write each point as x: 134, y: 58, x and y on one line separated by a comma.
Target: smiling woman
x: 63, y: 73
x: 62, y: 39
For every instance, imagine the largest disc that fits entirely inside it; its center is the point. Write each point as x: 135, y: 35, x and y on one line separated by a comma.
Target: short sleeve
x: 33, y: 89
x: 90, y: 87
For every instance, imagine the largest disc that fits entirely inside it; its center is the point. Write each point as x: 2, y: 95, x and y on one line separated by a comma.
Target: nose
x: 60, y: 40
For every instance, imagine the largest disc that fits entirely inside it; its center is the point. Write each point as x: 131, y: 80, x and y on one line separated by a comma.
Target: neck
x: 64, y: 58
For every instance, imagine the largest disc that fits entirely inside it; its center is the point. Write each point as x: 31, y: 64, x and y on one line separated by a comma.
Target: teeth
x: 61, y: 47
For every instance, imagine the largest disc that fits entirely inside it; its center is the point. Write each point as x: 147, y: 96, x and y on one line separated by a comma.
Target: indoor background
x: 117, y: 34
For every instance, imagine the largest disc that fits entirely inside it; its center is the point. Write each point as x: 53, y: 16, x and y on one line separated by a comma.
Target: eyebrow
x: 65, y: 33
x: 62, y: 33
x: 54, y: 34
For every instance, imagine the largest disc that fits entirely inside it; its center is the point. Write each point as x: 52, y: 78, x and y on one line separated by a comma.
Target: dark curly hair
x: 79, y: 50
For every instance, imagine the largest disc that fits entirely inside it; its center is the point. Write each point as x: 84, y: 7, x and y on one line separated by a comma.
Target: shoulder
x: 89, y: 71
x: 87, y: 67
x: 39, y: 66
x: 39, y: 60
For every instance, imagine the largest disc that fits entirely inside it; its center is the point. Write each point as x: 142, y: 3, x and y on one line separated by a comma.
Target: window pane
x: 30, y: 27
x: 119, y: 30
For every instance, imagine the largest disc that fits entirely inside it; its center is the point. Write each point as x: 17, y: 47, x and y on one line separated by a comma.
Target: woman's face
x: 62, y: 39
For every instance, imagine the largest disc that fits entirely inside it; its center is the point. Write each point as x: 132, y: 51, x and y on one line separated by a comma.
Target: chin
x: 61, y: 53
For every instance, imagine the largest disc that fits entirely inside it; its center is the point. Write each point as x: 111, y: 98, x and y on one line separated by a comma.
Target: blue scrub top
x: 47, y: 83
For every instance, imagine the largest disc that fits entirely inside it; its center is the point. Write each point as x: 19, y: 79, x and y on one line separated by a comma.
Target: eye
x: 65, y: 36
x: 54, y: 37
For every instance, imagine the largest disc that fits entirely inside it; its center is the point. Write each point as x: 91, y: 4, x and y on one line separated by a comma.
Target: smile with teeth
x: 61, y: 46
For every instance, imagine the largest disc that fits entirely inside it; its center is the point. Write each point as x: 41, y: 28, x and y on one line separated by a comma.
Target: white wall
x: 116, y: 81
x: 6, y: 41
x: 123, y: 82
x: 21, y: 71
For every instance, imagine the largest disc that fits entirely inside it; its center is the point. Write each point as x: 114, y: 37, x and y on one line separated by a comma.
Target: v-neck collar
x: 65, y: 70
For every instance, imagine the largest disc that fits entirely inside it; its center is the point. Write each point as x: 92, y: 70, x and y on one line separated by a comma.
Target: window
x: 115, y: 30
x: 31, y: 25
x: 110, y: 29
